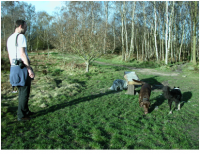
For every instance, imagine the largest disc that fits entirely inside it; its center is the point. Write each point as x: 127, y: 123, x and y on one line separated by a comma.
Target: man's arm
x: 24, y: 57
x: 25, y: 60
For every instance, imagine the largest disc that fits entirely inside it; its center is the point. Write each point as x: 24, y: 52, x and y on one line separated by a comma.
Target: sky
x: 48, y: 6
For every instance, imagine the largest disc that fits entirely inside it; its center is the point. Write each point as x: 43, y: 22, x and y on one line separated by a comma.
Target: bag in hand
x: 18, y: 76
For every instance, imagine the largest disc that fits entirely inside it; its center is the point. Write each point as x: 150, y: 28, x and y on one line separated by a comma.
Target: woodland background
x: 146, y: 30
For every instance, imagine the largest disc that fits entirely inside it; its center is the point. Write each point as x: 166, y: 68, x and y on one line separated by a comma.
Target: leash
x: 16, y: 45
x: 13, y: 87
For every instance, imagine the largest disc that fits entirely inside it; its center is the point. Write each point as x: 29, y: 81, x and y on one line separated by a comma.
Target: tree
x: 132, y: 30
x: 194, y: 32
x: 45, y: 34
x: 88, y: 47
x: 166, y: 35
x: 30, y: 17
x: 106, y: 15
x: 145, y: 32
x: 155, y: 31
x: 121, y: 8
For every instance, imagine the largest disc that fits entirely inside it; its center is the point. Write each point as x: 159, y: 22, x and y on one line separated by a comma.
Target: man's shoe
x: 24, y: 119
x: 30, y: 113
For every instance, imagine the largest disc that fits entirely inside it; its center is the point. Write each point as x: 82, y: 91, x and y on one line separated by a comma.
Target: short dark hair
x: 18, y: 23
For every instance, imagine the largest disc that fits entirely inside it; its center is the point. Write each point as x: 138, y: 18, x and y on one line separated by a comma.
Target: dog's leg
x: 170, y: 105
x: 115, y: 87
x: 178, y: 105
x: 120, y: 87
x: 140, y: 101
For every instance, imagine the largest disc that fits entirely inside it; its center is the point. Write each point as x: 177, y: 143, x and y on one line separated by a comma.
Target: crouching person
x: 20, y: 71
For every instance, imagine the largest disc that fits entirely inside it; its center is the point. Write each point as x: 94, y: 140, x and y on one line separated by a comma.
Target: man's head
x: 20, y: 26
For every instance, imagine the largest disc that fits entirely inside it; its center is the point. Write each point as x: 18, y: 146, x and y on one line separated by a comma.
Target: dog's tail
x: 167, y: 92
x: 139, y: 81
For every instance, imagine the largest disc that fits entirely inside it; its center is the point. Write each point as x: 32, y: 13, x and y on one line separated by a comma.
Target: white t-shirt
x: 21, y: 41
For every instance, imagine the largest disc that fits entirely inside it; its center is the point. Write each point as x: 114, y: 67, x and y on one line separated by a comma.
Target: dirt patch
x: 141, y: 70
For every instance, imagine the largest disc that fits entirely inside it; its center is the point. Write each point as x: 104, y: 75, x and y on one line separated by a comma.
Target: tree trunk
x: 166, y: 35
x: 170, y: 27
x: 132, y: 32
x: 194, y: 33
x: 171, y: 52
x: 114, y: 36
x: 122, y: 35
x: 145, y: 40
x: 105, y: 36
x: 87, y: 66
x: 143, y: 50
x: 181, y: 42
x: 155, y: 30
x: 126, y: 35
x: 4, y: 37
x: 136, y: 45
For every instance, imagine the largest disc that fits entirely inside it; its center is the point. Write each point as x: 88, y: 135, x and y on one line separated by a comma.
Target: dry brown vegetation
x: 45, y: 85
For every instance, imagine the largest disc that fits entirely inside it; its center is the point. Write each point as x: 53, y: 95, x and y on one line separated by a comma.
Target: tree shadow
x: 11, y: 108
x: 73, y: 102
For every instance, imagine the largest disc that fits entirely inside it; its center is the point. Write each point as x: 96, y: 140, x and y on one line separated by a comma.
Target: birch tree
x: 166, y: 35
x: 125, y: 30
x: 145, y: 39
x: 106, y: 16
x: 132, y: 30
x: 122, y: 27
x: 155, y: 30
x: 194, y: 32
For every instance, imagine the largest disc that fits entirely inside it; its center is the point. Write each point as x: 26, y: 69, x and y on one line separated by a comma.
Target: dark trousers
x: 24, y: 92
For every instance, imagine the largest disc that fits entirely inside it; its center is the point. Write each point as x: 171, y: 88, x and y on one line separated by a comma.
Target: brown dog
x: 144, y: 96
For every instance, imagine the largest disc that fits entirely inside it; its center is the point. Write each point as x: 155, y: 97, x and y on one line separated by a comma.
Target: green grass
x: 86, y: 115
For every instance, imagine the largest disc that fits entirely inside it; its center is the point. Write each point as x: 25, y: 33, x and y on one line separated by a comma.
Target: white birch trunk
x: 166, y: 35
x: 194, y: 33
x: 122, y: 20
x: 114, y: 36
x: 126, y: 35
x: 106, y: 12
x: 145, y: 43
x: 155, y: 31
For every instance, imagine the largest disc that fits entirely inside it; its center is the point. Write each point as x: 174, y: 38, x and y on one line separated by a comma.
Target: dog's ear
x: 178, y: 88
x: 174, y: 87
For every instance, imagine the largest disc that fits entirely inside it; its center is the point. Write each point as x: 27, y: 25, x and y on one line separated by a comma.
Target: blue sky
x: 48, y: 6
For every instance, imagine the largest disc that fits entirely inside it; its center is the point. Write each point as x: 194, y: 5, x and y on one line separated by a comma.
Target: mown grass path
x: 79, y: 112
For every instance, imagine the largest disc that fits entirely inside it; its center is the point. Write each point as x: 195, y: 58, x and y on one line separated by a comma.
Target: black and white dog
x: 172, y: 95
x: 122, y: 84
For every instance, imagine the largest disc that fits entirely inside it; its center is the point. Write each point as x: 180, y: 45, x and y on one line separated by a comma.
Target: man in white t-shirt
x: 16, y: 53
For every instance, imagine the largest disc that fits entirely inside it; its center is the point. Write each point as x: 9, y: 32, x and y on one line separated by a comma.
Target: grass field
x: 75, y: 110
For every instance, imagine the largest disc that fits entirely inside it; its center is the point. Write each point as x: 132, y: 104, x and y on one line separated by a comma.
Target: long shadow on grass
x: 73, y: 102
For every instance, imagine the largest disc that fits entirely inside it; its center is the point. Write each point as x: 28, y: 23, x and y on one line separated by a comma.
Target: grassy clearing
x: 75, y: 110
